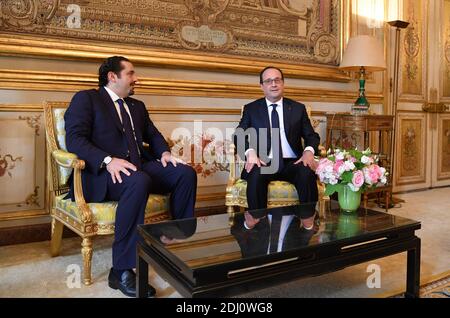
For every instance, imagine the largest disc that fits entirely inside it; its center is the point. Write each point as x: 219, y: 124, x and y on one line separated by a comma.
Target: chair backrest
x: 56, y: 140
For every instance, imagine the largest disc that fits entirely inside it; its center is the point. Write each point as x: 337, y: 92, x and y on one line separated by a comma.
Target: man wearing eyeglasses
x: 281, y: 125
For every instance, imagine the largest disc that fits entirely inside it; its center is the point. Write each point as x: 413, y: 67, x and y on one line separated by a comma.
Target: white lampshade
x: 363, y: 50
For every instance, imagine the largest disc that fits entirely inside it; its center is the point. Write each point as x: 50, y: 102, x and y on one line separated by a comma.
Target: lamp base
x: 360, y: 110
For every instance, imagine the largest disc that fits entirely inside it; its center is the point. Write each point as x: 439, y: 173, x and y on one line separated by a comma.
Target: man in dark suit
x: 274, y: 232
x: 107, y: 129
x: 287, y: 124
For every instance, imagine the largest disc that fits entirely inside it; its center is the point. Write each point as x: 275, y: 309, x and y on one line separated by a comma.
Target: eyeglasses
x: 269, y: 81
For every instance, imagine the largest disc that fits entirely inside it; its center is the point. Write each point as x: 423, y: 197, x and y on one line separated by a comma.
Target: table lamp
x: 363, y: 53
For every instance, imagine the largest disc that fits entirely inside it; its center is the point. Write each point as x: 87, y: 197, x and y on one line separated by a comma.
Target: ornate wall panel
x: 411, y: 148
x: 413, y: 55
x: 282, y: 31
x: 444, y: 147
x: 22, y: 164
x: 70, y: 82
x: 445, y: 70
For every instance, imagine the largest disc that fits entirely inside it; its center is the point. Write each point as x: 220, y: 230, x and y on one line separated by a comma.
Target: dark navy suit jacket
x: 94, y: 131
x: 297, y: 125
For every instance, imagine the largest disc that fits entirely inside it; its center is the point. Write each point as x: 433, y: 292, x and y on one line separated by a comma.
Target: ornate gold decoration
x: 445, y: 161
x: 7, y: 163
x: 86, y: 251
x: 283, y: 30
x: 27, y: 15
x: 446, y: 49
x: 410, y: 150
x: 33, y: 198
x: 38, y: 80
x: 33, y: 122
x: 412, y: 47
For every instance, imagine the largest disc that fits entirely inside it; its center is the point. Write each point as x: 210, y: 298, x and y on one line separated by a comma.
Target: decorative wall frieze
x: 69, y: 82
x: 36, y: 46
x: 189, y: 26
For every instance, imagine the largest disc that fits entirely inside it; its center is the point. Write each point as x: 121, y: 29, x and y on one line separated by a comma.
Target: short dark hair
x: 111, y: 64
x: 265, y: 69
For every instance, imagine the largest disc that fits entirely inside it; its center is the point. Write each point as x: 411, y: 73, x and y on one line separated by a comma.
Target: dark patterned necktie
x: 276, y: 124
x: 131, y: 141
x: 275, y: 232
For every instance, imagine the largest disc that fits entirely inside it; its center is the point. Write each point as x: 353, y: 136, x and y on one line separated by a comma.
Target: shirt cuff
x: 309, y: 148
x: 245, y: 225
x: 246, y: 152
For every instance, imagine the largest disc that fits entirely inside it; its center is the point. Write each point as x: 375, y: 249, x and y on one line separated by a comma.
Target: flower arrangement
x: 357, y: 170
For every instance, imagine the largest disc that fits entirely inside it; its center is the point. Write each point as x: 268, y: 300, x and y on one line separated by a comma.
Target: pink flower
x: 358, y: 179
x: 337, y: 165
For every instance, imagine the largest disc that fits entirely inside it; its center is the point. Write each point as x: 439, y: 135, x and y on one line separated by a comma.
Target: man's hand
x: 308, y: 160
x: 253, y: 159
x: 167, y: 157
x: 116, y: 166
x: 250, y: 221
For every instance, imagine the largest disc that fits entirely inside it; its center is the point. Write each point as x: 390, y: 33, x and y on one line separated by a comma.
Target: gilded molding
x: 22, y: 45
x: 307, y: 33
x: 59, y: 81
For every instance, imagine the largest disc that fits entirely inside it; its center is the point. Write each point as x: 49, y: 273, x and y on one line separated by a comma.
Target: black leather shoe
x: 127, y: 283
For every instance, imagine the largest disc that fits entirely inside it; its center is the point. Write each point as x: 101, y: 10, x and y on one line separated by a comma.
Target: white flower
x: 365, y: 160
x: 349, y: 166
x: 352, y: 187
x: 340, y: 156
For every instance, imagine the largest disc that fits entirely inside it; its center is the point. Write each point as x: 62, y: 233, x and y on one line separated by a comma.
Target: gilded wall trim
x: 70, y: 82
x: 291, y: 32
x: 20, y: 45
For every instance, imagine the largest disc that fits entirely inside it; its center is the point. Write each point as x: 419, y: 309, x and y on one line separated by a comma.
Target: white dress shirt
x: 114, y: 98
x: 285, y: 222
x: 287, y: 149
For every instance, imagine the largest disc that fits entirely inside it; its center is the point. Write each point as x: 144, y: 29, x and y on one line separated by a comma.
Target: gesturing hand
x: 250, y: 221
x: 253, y: 159
x: 116, y: 166
x: 167, y: 157
x: 308, y: 160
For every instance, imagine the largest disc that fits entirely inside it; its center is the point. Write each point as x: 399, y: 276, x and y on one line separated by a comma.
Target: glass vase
x: 349, y: 200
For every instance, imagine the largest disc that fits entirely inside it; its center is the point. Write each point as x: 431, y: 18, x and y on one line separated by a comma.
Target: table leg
x: 413, y: 272
x: 387, y: 195
x: 141, y: 275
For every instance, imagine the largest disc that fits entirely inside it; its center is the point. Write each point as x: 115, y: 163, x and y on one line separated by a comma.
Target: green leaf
x: 332, y: 188
x: 347, y: 177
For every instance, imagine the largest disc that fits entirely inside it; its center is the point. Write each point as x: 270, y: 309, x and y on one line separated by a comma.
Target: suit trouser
x: 132, y: 195
x: 303, y: 178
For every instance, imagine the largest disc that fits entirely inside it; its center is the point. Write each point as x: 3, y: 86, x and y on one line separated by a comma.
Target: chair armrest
x: 70, y: 160
x: 65, y: 159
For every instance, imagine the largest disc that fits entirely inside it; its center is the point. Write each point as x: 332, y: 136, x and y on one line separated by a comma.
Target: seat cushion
x: 280, y: 193
x: 104, y: 213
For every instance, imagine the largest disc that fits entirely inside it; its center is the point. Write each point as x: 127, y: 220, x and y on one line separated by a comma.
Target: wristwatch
x: 107, y: 160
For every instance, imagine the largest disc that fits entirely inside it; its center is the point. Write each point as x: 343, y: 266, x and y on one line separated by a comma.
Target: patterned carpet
x: 439, y: 288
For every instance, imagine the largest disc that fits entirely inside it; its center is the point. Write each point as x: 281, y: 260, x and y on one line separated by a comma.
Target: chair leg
x: 55, y: 243
x: 86, y: 251
x: 230, y: 211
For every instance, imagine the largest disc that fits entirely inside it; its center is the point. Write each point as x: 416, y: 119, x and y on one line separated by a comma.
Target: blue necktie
x: 128, y: 131
x: 276, y: 124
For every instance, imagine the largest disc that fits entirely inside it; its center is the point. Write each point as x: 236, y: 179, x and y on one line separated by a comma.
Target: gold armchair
x: 85, y: 219
x: 280, y: 193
